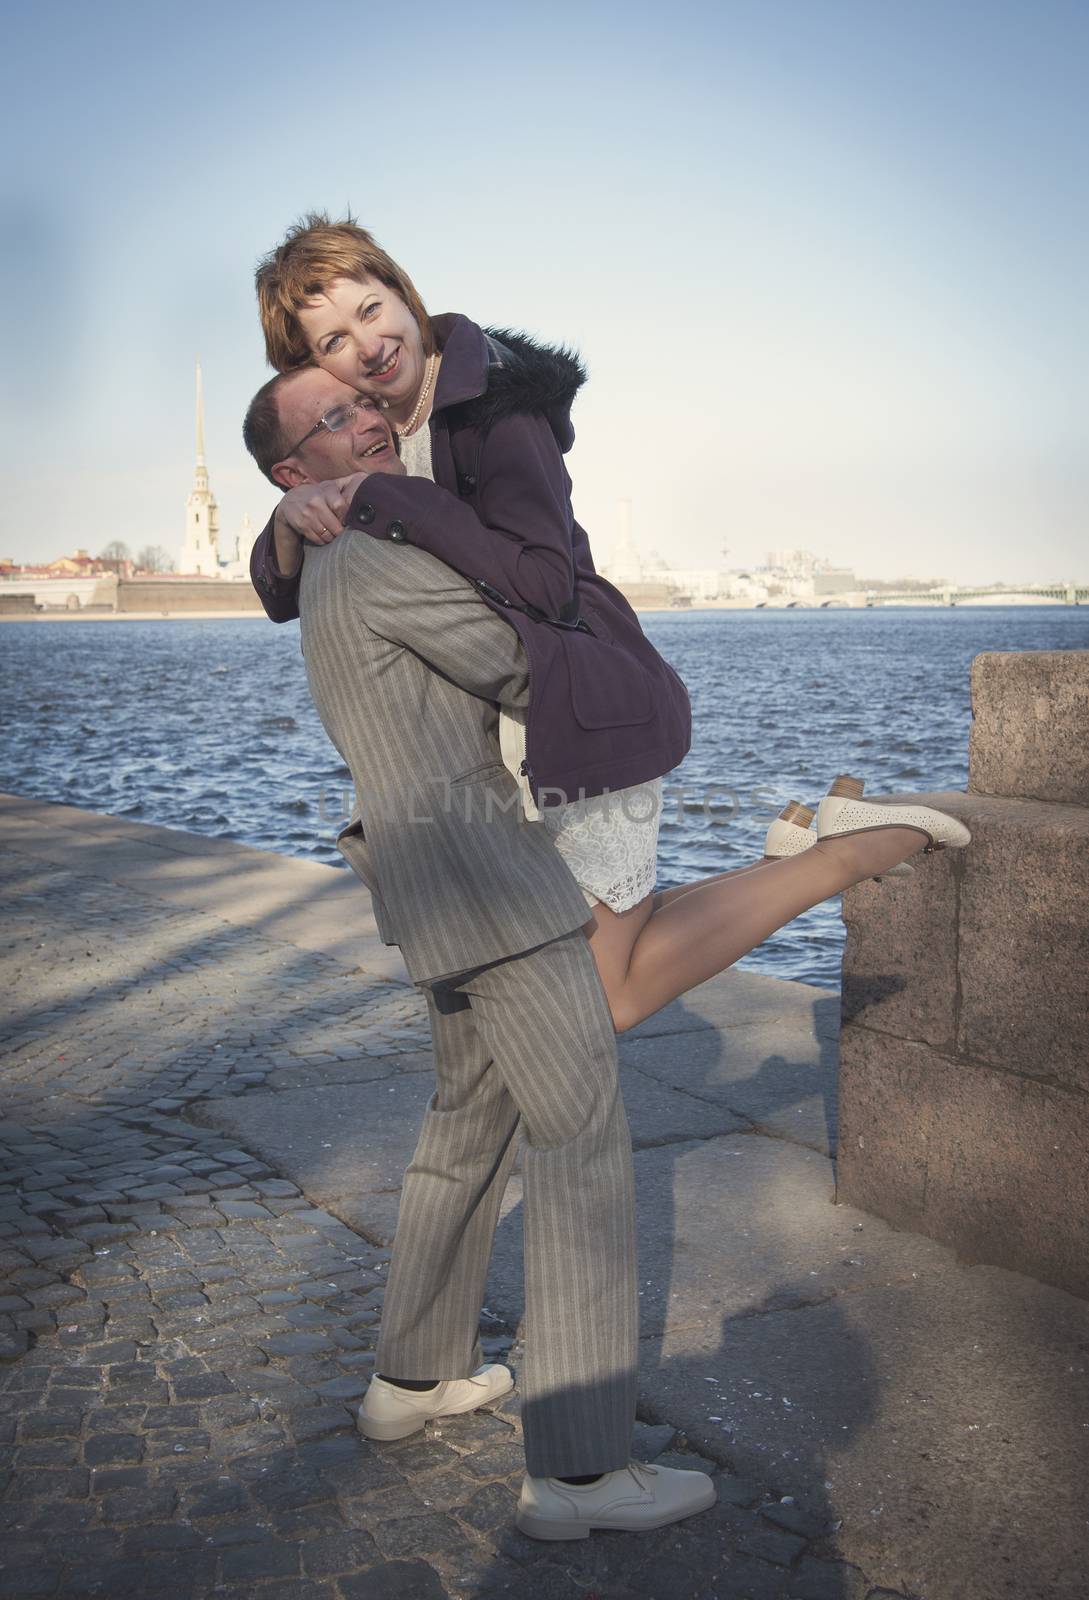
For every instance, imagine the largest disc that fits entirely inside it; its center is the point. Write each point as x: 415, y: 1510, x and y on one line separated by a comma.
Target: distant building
x: 237, y: 564
x: 200, y: 551
x: 78, y: 565
x: 834, y: 580
x: 793, y: 563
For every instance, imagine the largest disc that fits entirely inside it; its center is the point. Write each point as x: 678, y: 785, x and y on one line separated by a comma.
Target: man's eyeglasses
x: 339, y: 417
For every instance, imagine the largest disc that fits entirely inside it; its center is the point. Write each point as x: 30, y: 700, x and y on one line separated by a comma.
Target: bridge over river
x: 1070, y: 594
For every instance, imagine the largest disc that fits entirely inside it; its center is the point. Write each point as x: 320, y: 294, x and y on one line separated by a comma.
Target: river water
x: 208, y: 726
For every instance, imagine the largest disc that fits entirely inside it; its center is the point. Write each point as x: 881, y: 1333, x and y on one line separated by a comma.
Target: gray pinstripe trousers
x: 525, y: 1045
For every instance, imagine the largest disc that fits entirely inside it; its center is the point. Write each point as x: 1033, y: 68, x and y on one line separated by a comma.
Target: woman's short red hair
x: 313, y: 254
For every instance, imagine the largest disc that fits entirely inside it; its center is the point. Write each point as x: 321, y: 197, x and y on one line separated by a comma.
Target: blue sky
x: 826, y: 259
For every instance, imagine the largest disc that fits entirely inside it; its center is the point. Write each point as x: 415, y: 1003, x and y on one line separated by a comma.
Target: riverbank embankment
x: 129, y: 616
x: 212, y: 1081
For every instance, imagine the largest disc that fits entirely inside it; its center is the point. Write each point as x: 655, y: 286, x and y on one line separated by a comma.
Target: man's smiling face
x: 363, y: 443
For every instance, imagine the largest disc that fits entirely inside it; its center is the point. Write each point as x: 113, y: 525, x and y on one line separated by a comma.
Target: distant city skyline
x: 824, y: 263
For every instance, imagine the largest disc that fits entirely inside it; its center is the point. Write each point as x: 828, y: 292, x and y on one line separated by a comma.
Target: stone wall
x: 178, y: 595
x: 964, y: 1057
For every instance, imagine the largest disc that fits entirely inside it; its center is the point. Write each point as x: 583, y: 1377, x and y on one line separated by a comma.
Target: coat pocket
x: 609, y: 687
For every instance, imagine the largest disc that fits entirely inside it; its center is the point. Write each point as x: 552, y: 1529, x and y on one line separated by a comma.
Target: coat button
x: 396, y: 530
x: 366, y: 514
x: 466, y: 483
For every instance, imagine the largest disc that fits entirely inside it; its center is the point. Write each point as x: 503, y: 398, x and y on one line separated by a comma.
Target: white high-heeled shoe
x: 843, y: 811
x: 791, y: 833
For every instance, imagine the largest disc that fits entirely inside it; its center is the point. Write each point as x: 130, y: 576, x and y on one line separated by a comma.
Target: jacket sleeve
x: 419, y: 603
x: 522, y: 541
x: 278, y: 595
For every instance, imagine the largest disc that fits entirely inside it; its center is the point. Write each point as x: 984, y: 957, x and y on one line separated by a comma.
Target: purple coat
x: 605, y: 710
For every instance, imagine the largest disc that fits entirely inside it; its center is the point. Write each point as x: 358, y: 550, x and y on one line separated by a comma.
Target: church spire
x: 200, y: 417
x: 200, y: 554
x: 200, y: 473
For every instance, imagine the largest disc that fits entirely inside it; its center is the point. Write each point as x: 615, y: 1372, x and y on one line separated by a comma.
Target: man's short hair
x: 314, y: 254
x: 262, y: 432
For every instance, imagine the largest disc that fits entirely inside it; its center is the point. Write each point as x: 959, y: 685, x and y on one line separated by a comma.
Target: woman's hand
x: 316, y: 511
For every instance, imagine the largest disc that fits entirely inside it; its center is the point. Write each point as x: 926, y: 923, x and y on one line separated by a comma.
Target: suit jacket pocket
x: 488, y: 769
x: 352, y: 844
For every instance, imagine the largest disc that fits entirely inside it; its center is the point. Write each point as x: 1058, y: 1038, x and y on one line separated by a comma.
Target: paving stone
x: 346, y: 1388
x: 650, y: 1440
x: 161, y: 1536
x: 297, y: 1344
x: 307, y: 1522
x: 59, y: 1483
x: 395, y: 1580
x: 241, y: 1210
x: 735, y: 1491
x: 24, y: 1582
x: 794, y: 1519
x: 51, y: 1422
x: 329, y: 1554
x: 179, y: 1572
x: 118, y: 1417
x: 14, y: 1344
x: 252, y: 1562
x: 771, y: 1544
x: 497, y: 1460
x: 48, y: 1453
x: 427, y: 1534
x: 217, y: 1500
x: 318, y: 1421
x: 111, y: 1448
x: 491, y: 1507
x: 202, y: 1386
x: 138, y: 1504
x: 474, y: 1429
x: 177, y: 1441
x: 287, y: 1485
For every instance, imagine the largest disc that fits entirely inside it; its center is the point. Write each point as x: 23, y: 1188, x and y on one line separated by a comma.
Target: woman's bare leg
x: 649, y: 955
x: 665, y: 897
x: 613, y: 934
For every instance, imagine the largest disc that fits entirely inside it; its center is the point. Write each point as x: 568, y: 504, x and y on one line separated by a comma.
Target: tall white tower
x: 200, y: 552
x: 625, y: 564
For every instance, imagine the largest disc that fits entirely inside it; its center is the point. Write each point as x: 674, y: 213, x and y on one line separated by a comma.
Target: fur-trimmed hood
x: 524, y: 378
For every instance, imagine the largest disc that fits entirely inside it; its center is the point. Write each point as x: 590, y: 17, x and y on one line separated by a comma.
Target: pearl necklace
x: 429, y: 372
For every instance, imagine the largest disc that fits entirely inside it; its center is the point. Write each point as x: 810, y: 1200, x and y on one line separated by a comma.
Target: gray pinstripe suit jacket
x: 407, y: 667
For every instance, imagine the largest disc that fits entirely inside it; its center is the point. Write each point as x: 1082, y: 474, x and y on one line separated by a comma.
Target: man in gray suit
x: 408, y: 667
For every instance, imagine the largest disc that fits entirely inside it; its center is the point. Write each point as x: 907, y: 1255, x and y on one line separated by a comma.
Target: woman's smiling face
x: 365, y: 335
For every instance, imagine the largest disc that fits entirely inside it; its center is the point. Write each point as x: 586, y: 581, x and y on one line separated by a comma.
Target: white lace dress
x: 610, y: 842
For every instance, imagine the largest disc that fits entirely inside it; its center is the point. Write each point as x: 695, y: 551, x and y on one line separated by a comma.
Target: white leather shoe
x: 632, y: 1500
x: 791, y: 833
x: 842, y: 814
x: 388, y: 1412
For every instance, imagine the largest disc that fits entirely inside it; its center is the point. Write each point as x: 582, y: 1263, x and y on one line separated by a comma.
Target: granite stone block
x: 1030, y: 714
x: 1023, y: 961
x: 995, y: 1165
x: 900, y: 957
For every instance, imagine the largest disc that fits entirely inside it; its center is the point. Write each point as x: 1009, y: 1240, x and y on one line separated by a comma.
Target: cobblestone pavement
x: 184, y: 1339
